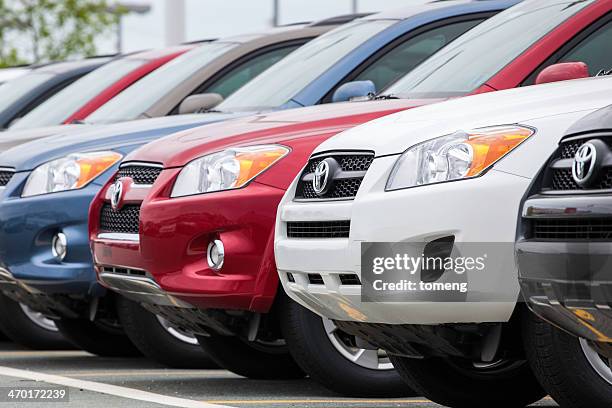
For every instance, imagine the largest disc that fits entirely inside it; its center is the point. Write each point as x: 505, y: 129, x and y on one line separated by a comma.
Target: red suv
x: 186, y: 228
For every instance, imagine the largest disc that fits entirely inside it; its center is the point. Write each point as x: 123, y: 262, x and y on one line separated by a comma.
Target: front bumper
x: 27, y: 227
x: 568, y: 282
x: 173, y: 240
x: 480, y: 210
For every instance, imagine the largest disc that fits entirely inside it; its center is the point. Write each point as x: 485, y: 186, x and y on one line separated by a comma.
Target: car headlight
x: 68, y: 173
x: 461, y: 155
x: 226, y: 170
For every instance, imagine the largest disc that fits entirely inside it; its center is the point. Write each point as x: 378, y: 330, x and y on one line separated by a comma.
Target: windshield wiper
x: 383, y: 97
x: 604, y: 72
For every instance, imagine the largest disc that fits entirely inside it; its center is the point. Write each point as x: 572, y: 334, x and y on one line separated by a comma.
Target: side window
x: 595, y: 50
x: 406, y: 56
x: 243, y: 73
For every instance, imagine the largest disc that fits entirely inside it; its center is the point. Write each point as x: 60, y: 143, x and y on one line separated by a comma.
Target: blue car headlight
x: 69, y: 173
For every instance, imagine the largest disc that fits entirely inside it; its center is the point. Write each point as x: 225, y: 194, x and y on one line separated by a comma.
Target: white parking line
x: 109, y: 389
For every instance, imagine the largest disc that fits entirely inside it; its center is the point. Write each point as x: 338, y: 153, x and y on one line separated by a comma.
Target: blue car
x: 46, y: 186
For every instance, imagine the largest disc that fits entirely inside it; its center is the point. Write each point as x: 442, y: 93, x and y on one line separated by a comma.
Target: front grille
x: 345, y: 184
x: 558, y: 176
x: 342, y: 189
x: 139, y: 173
x: 5, y: 177
x: 124, y: 220
x: 569, y: 149
x: 318, y: 229
x: 572, y: 229
x: 562, y: 180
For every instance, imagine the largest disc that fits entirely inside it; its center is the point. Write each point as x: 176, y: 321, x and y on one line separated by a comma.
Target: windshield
x: 472, y: 59
x: 14, y: 89
x: 281, y: 82
x: 136, y: 99
x: 69, y: 100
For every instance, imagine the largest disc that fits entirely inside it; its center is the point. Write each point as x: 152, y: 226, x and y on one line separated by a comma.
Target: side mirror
x: 355, y: 89
x: 199, y: 102
x: 563, y: 72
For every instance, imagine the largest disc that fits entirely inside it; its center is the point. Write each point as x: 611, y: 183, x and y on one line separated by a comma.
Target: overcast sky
x: 218, y: 18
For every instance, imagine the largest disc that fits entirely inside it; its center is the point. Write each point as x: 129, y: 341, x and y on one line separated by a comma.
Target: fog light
x: 215, y: 254
x: 58, y: 246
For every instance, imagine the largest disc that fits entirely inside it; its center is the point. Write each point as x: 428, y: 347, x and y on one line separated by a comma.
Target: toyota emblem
x: 116, y: 193
x: 321, y: 177
x: 584, y: 164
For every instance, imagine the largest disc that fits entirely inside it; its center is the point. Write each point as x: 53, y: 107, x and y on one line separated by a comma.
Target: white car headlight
x: 461, y: 155
x: 226, y: 170
x: 68, y: 173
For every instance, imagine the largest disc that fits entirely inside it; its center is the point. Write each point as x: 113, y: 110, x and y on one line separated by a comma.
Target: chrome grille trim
x: 143, y: 174
x: 119, y: 236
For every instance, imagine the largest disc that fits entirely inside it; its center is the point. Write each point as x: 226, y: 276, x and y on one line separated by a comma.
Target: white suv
x: 451, y: 172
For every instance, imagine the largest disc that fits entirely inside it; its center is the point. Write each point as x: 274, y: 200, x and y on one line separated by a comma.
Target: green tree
x: 50, y: 30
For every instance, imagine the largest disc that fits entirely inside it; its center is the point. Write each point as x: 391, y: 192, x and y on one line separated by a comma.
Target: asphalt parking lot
x: 103, y: 382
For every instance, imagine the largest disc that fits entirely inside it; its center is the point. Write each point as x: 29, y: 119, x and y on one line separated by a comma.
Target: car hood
x: 274, y: 127
x: 12, y: 138
x: 395, y: 133
x: 123, y: 137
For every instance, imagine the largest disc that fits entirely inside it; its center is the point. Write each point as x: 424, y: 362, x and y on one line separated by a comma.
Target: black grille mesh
x: 344, y: 188
x: 575, y: 228
x: 318, y: 229
x: 140, y: 174
x: 562, y: 180
x: 356, y: 162
x: 569, y: 149
x: 5, y: 177
x: 124, y: 220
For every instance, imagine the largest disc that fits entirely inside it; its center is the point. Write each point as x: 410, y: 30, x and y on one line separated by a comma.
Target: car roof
x: 162, y: 52
x: 417, y: 7
x: 12, y: 72
x: 67, y: 66
x: 290, y: 30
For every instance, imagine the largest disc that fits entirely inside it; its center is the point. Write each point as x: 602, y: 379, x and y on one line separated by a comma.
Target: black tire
x: 251, y: 360
x: 458, y: 384
x: 562, y: 367
x: 18, y: 327
x: 313, y: 350
x: 98, y: 338
x: 154, y: 341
